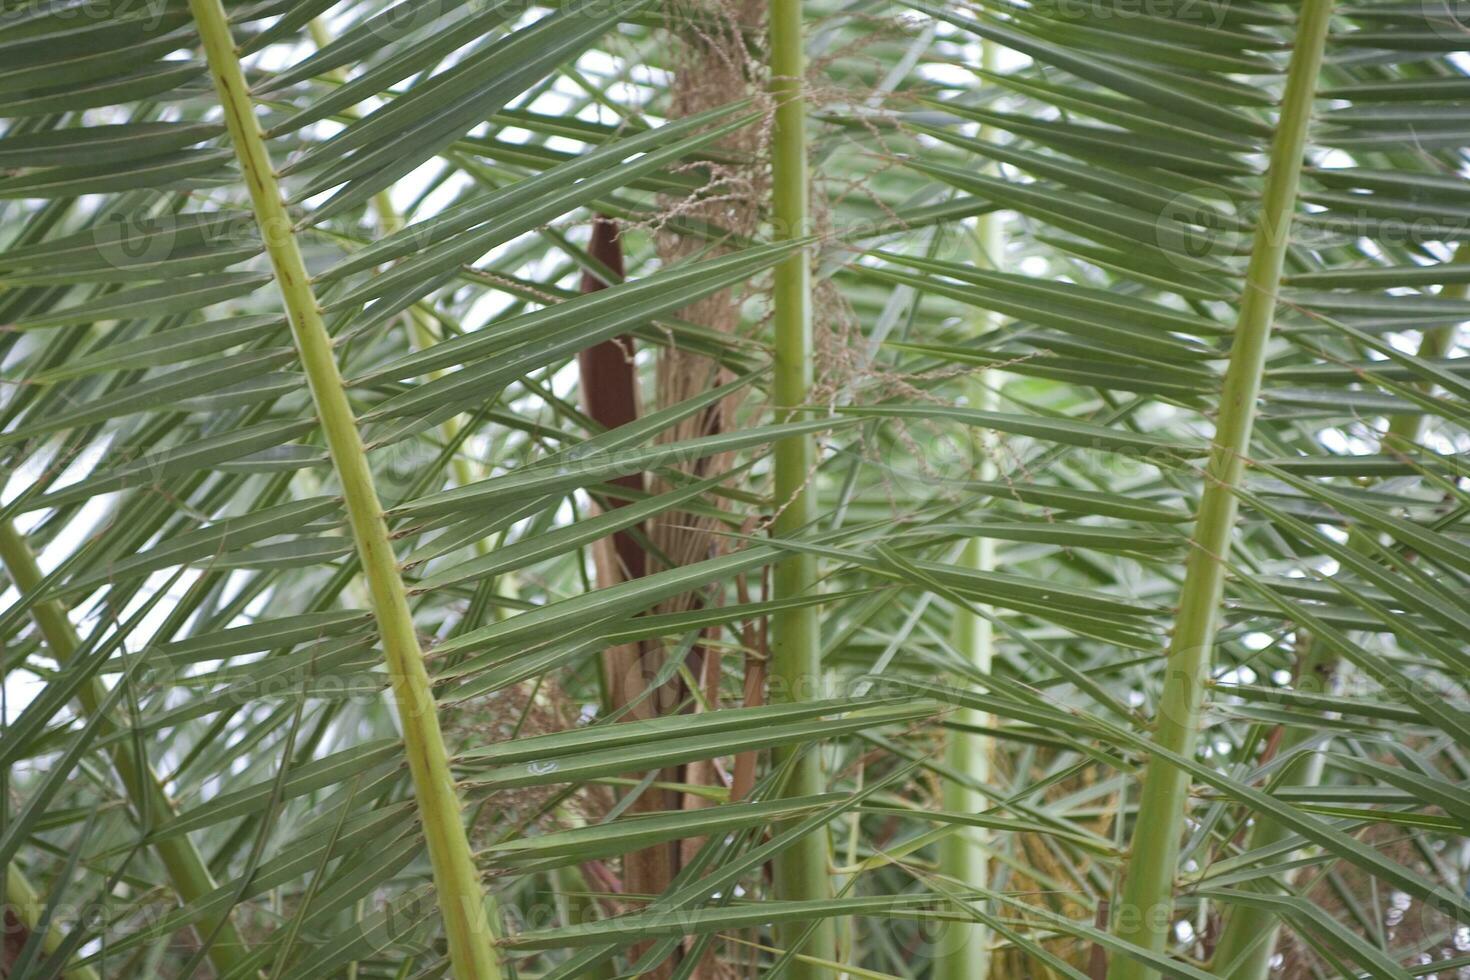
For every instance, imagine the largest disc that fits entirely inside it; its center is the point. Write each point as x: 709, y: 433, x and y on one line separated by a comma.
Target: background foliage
x: 1031, y: 231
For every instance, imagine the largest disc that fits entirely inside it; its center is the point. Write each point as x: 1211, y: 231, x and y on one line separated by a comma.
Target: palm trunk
x: 710, y: 64
x: 461, y: 895
x: 801, y: 871
x: 1145, y: 914
x: 181, y: 860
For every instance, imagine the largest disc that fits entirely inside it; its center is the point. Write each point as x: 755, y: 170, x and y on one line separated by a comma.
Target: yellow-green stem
x: 21, y: 898
x: 1144, y: 915
x: 181, y: 860
x: 22, y: 901
x: 963, y: 951
x: 461, y: 894
x: 1249, y: 937
x: 801, y: 871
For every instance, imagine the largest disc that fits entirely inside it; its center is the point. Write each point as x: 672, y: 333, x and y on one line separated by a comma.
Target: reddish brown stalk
x: 601, y: 874
x: 1097, y: 956
x: 16, y: 935
x: 610, y: 398
x: 610, y: 388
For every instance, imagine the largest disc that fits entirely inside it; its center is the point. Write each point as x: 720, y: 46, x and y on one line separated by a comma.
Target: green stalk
x: 21, y: 897
x: 1249, y: 937
x: 963, y: 953
x: 1144, y: 915
x: 186, y: 868
x: 461, y: 895
x: 801, y: 871
x: 22, y: 900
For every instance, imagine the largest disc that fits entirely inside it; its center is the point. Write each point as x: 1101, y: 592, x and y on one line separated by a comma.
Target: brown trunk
x: 712, y: 66
x: 704, y: 772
